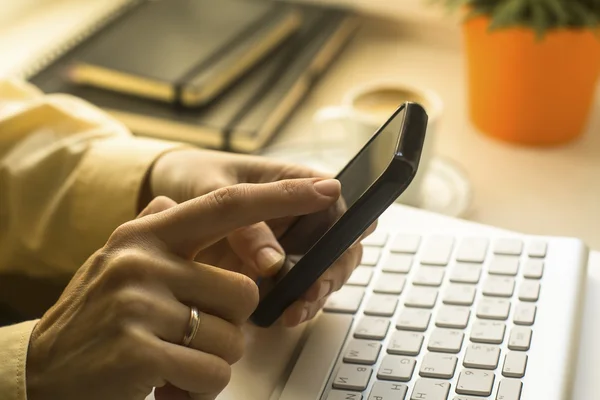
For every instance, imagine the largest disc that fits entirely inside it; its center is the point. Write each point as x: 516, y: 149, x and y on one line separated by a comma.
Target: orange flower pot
x: 530, y: 91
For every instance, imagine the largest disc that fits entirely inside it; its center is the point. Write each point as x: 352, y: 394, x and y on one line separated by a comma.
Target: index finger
x: 198, y: 223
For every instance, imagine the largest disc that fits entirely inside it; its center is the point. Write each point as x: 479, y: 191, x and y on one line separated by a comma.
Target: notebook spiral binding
x: 48, y: 57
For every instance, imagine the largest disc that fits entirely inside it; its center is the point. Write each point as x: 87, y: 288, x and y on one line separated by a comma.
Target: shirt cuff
x: 109, y: 182
x: 14, y: 343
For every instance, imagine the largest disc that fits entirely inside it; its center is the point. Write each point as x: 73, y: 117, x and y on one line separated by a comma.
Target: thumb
x: 258, y: 248
x: 160, y: 203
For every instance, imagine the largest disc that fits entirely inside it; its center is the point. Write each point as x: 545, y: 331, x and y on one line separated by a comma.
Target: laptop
x: 439, y: 309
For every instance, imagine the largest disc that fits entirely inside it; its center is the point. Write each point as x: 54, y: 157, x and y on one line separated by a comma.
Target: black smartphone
x: 371, y: 182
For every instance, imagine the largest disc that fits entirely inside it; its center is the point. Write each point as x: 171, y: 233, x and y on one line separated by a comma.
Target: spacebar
x: 312, y: 369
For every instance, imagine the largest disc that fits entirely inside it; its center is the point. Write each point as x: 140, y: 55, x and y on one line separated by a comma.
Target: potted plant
x: 532, y: 67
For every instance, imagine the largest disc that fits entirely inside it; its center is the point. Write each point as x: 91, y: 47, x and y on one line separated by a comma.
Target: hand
x: 116, y: 331
x: 254, y: 250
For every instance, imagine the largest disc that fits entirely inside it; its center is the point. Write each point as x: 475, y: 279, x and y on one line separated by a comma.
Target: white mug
x: 362, y: 112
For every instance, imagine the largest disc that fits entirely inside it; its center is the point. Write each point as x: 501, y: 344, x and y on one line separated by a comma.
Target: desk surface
x: 546, y: 191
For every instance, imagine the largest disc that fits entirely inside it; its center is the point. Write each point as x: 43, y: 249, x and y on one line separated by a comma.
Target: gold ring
x: 193, y: 325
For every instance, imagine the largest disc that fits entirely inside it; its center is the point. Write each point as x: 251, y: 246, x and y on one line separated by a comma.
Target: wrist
x: 157, y: 178
x: 145, y: 195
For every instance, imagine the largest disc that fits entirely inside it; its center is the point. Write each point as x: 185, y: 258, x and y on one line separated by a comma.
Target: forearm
x: 69, y: 175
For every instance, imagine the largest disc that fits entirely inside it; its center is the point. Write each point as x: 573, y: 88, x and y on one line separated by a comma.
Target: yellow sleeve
x: 69, y: 175
x: 14, y: 342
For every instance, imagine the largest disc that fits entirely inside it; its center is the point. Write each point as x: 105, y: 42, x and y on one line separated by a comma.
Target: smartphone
x: 371, y: 182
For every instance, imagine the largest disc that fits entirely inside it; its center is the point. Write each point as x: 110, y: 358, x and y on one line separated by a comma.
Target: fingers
x: 332, y: 280
x: 158, y: 204
x: 225, y: 294
x: 302, y: 311
x: 259, y: 169
x: 257, y: 247
x: 200, y: 222
x: 214, y: 336
x: 336, y: 275
x: 202, y: 375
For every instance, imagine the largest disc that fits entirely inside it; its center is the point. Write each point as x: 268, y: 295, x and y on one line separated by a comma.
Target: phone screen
x: 356, y: 178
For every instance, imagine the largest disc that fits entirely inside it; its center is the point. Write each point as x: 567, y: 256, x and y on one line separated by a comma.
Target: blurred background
x: 516, y: 138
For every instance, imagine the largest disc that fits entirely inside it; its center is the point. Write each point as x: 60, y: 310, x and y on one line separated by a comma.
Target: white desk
x: 548, y: 191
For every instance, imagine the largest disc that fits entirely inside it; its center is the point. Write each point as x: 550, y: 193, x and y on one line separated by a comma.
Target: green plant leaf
x: 585, y: 18
x: 508, y: 14
x: 539, y: 19
x: 561, y: 16
x: 539, y: 15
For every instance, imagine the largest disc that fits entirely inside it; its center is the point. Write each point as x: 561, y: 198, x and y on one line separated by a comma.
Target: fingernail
x: 304, y: 315
x: 268, y: 259
x: 328, y: 187
x: 324, y: 289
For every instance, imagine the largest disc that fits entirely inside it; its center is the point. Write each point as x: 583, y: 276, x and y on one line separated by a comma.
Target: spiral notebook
x: 247, y: 114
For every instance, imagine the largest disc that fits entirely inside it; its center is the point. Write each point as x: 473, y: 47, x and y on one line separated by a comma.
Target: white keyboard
x: 443, y: 317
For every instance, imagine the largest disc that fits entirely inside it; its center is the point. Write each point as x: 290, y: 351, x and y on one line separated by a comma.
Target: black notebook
x: 184, y: 51
x: 245, y: 116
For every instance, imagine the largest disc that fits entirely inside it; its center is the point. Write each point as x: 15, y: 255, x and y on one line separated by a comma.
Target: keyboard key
x: 475, y: 382
x: 399, y: 263
x: 533, y: 268
x: 360, y: 277
x: 515, y: 363
x: 467, y: 398
x: 390, y: 283
x: 487, y: 332
x: 362, y: 352
x: 422, y: 297
x: 388, y: 391
x: 459, y: 294
x: 482, y: 356
x: 509, y: 389
x: 406, y: 244
x: 524, y: 314
x: 504, y: 265
x: 498, y: 286
x: 430, y: 389
x: 429, y: 276
x: 405, y: 343
x: 489, y: 308
x: 377, y: 238
x: 529, y: 290
x: 346, y: 300
x: 437, y: 250
x: 370, y: 255
x: 445, y: 340
x: 537, y: 249
x: 510, y: 247
x: 472, y: 250
x: 413, y: 320
x: 453, y: 317
x: 372, y: 328
x: 465, y: 273
x: 339, y: 395
x: 396, y: 368
x: 352, y: 377
x: 381, y: 305
x: 520, y: 338
x: 438, y: 365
